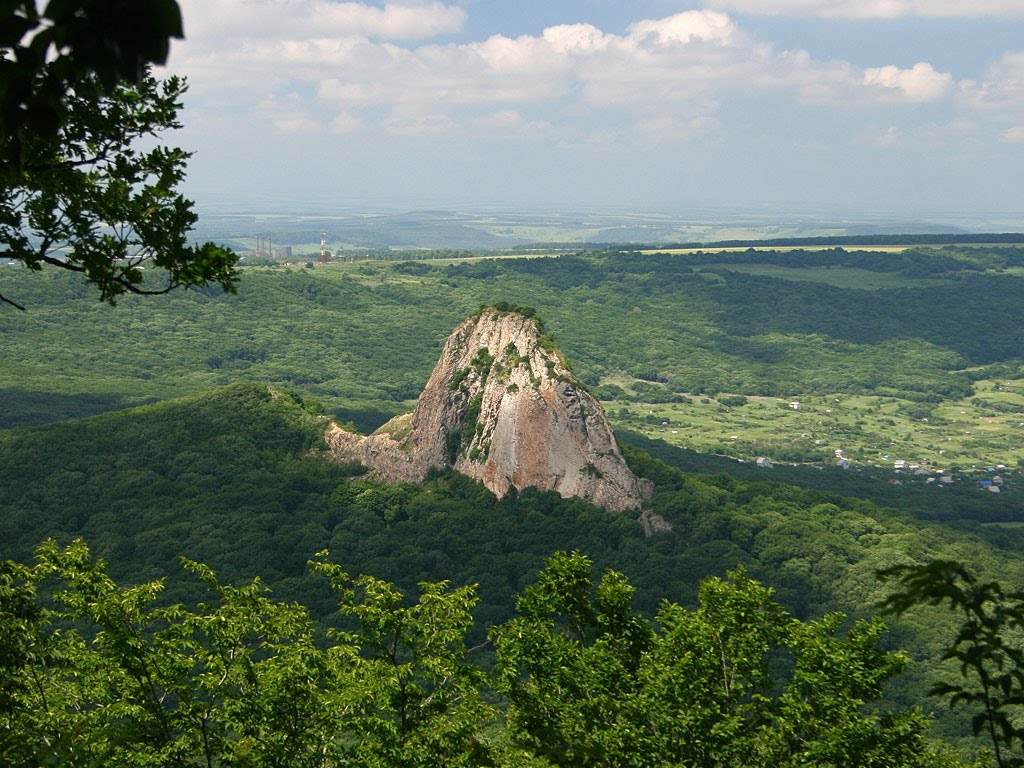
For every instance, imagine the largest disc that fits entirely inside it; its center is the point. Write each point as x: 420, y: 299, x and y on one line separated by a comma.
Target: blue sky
x: 901, y: 107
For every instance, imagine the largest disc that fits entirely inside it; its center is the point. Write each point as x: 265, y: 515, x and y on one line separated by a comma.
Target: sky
x: 900, y: 107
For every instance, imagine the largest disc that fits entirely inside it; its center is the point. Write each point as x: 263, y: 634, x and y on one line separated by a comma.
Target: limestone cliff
x: 502, y: 407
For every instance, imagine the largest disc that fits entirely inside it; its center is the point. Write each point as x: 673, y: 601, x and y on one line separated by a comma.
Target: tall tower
x: 323, y: 247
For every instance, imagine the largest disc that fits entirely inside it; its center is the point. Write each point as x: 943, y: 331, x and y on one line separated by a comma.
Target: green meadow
x: 967, y: 433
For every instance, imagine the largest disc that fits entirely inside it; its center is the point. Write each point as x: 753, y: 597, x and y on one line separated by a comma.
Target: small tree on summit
x: 77, y: 189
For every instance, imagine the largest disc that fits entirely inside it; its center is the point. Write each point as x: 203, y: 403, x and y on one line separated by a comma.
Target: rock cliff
x: 502, y: 407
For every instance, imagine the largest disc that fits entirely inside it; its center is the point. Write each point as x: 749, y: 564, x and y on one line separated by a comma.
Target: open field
x: 498, y: 230
x: 766, y: 249
x: 974, y: 432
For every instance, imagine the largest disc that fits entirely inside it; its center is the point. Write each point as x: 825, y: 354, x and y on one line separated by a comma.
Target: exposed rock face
x: 502, y: 407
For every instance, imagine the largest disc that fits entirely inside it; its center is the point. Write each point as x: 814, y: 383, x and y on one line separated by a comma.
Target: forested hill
x: 366, y: 334
x: 236, y: 478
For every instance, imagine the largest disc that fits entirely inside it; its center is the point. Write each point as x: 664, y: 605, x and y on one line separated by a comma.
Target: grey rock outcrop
x: 502, y: 407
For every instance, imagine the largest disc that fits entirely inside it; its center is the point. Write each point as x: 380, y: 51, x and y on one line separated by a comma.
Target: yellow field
x: 741, y: 249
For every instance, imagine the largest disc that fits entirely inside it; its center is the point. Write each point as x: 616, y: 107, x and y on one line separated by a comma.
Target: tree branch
x: 102, y: 155
x: 14, y: 304
x: 62, y: 264
x: 132, y: 288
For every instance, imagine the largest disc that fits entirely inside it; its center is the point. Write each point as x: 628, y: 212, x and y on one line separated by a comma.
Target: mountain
x: 502, y: 407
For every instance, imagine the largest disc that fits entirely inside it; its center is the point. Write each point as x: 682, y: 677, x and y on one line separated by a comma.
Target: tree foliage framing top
x: 81, y: 185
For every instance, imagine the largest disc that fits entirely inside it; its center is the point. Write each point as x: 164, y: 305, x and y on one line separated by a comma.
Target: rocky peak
x: 502, y: 406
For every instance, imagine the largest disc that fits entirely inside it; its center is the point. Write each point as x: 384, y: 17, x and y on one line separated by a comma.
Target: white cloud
x: 1013, y: 135
x: 393, y: 21
x: 686, y: 27
x: 296, y: 124
x: 420, y: 120
x: 419, y: 125
x: 336, y: 90
x: 963, y: 133
x: 875, y: 9
x: 997, y: 99
x: 345, y: 123
x: 668, y: 128
x: 886, y: 139
x: 576, y: 38
x: 507, y: 121
x: 1000, y: 92
x: 919, y: 83
x: 665, y: 77
x: 251, y: 19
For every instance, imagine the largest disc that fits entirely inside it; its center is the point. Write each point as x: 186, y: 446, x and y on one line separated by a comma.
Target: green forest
x: 696, y: 323
x: 668, y: 342
x: 584, y: 679
x: 190, y: 426
x: 236, y: 479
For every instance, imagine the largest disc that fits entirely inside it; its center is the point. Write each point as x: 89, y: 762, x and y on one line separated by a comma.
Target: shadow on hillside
x: 958, y: 505
x: 21, y: 408
x: 366, y: 419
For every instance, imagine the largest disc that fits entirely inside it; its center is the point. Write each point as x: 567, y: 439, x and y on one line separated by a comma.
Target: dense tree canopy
x: 241, y: 680
x: 235, y: 479
x: 593, y: 684
x: 96, y: 673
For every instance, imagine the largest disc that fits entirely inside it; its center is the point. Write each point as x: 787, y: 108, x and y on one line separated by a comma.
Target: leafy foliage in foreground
x: 50, y: 55
x: 241, y: 680
x: 94, y: 674
x: 77, y: 190
x: 99, y: 205
x: 987, y: 648
x: 591, y: 683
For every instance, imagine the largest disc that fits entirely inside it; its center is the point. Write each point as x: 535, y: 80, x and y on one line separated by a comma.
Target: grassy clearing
x: 488, y: 256
x: 743, y: 249
x: 347, y: 256
x: 972, y: 432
